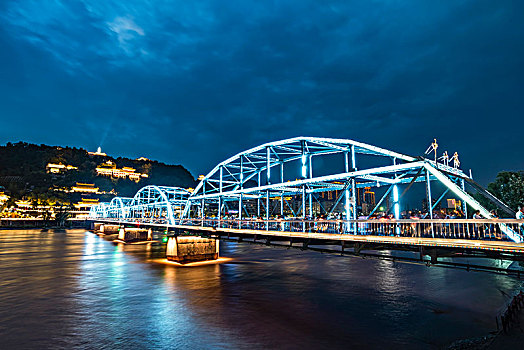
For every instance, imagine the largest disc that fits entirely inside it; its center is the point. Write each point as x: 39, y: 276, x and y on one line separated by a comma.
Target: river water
x: 73, y: 289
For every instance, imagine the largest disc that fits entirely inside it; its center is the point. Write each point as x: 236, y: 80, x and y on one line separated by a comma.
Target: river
x: 73, y: 289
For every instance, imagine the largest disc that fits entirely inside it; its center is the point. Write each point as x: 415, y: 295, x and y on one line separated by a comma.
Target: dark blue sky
x: 194, y: 82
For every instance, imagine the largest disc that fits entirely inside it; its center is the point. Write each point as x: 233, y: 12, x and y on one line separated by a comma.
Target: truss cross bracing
x: 287, y: 176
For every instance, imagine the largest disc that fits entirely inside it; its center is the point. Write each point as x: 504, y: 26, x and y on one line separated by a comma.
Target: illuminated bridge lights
x: 245, y: 186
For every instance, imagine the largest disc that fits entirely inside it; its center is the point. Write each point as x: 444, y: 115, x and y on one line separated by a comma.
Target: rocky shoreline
x: 512, y: 338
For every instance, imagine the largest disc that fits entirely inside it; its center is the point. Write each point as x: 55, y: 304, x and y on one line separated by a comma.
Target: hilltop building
x: 85, y: 204
x: 52, y: 168
x: 109, y: 169
x: 24, y: 204
x: 3, y: 198
x: 85, y: 188
x: 98, y: 153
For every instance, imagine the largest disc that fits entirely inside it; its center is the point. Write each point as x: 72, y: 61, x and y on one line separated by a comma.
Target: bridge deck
x: 483, y: 245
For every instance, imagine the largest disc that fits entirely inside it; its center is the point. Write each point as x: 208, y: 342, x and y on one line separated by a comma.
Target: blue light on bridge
x: 304, y: 168
x: 396, y: 207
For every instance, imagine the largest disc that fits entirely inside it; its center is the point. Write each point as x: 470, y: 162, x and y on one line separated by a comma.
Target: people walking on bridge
x: 478, y: 227
x: 520, y: 212
x: 494, y: 229
x: 520, y: 216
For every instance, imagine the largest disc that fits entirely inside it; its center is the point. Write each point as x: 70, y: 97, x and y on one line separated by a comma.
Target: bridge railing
x: 476, y: 229
x: 480, y: 229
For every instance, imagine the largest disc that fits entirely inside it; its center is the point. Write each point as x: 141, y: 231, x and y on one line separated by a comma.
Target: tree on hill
x: 26, y: 163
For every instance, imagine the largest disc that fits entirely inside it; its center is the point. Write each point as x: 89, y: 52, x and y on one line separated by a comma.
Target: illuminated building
x: 109, y: 169
x: 3, y: 198
x: 368, y: 200
x: 453, y: 204
x: 84, y: 188
x: 53, y: 168
x: 143, y: 159
x: 85, y: 204
x: 97, y: 153
x: 24, y: 204
x: 106, y: 168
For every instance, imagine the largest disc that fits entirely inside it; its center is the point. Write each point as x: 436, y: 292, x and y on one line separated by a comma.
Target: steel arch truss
x: 151, y: 204
x: 258, y: 180
x: 269, y: 172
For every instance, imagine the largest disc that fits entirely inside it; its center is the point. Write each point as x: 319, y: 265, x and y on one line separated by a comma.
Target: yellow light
x: 220, y: 260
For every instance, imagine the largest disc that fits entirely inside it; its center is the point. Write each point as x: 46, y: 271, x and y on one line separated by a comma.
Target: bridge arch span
x: 259, y: 174
x: 267, y: 181
x: 117, y: 206
x: 159, y: 203
x: 244, y: 166
x: 270, y: 170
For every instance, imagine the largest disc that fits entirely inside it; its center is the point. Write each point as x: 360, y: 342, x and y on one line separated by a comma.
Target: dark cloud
x: 195, y: 82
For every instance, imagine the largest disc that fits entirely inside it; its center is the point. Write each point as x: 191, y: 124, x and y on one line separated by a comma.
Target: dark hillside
x: 23, y: 172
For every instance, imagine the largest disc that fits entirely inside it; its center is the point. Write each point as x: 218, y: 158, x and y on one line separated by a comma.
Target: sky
x: 195, y: 82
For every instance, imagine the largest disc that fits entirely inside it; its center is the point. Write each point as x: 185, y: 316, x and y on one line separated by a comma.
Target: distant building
x: 365, y: 200
x: 106, y: 168
x: 109, y: 169
x: 143, y: 159
x: 3, y: 198
x: 453, y: 203
x: 97, y: 153
x: 84, y: 188
x: 53, y: 168
x: 368, y: 200
x: 85, y: 204
x: 24, y: 204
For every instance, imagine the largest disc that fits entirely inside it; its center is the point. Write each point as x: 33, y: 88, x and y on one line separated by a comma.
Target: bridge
x: 276, y: 192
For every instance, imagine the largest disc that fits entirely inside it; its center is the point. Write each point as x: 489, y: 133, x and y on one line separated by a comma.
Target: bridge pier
x: 130, y: 234
x: 185, y: 249
x: 433, y: 255
x: 108, y: 229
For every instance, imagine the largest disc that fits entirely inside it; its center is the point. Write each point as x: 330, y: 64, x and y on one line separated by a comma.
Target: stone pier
x: 109, y: 229
x: 131, y: 234
x: 185, y: 249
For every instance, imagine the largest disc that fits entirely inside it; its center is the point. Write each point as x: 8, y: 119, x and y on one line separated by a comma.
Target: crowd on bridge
x: 411, y: 224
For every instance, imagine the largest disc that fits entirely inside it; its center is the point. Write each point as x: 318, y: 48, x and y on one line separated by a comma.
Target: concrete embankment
x: 30, y: 223
x: 509, y: 333
x: 511, y: 324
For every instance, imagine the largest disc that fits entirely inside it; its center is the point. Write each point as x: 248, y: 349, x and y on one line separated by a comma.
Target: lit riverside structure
x: 256, y: 184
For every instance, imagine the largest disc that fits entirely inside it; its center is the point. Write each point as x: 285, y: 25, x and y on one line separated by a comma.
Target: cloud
x: 126, y: 31
x: 195, y: 82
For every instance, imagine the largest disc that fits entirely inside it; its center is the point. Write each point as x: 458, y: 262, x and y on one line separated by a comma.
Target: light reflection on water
x: 74, y: 289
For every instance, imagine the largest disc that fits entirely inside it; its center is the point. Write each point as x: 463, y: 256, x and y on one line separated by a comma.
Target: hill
x: 50, y: 173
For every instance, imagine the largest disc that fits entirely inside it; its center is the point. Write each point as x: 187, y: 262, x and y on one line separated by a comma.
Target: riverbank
x: 35, y: 223
x: 510, y: 338
x: 473, y: 344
